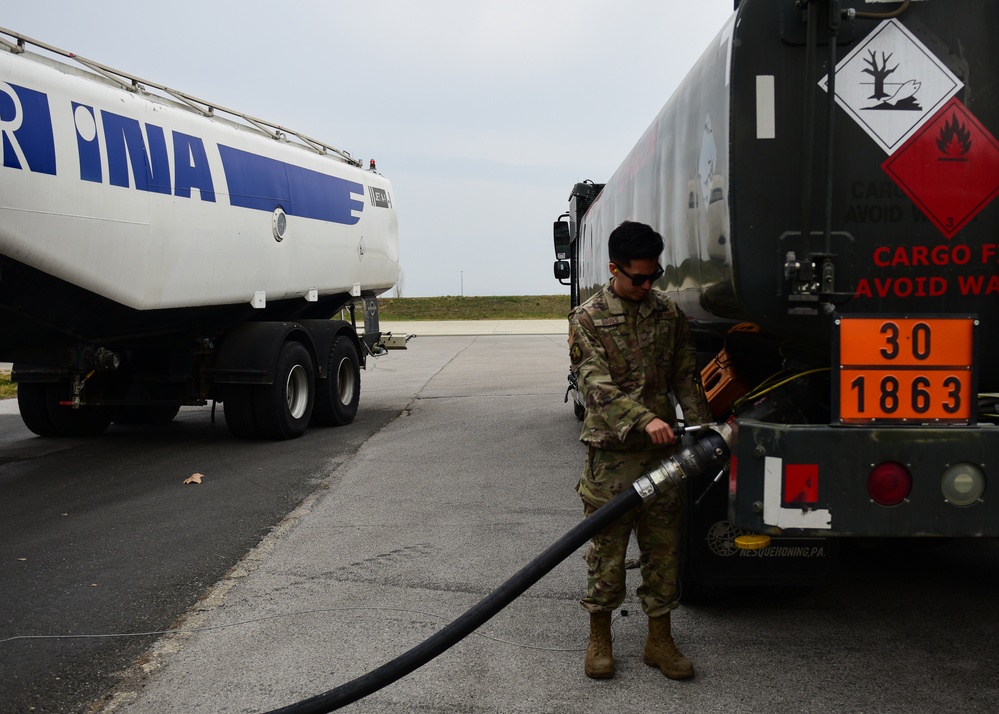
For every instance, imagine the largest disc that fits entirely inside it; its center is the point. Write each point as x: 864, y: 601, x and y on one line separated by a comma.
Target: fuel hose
x: 710, y: 450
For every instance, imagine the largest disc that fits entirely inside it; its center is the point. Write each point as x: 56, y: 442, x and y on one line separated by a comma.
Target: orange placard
x: 890, y: 342
x: 906, y: 370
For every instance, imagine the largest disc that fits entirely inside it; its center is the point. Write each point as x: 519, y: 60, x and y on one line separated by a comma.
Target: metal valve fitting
x: 710, y: 451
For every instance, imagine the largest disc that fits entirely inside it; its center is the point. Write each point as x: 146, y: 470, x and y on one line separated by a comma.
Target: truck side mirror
x: 560, y: 229
x: 562, y: 270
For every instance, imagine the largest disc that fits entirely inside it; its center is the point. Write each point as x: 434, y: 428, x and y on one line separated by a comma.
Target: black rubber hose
x: 478, y: 614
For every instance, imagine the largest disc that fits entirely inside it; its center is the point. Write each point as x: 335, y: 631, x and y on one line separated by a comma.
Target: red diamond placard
x: 949, y: 168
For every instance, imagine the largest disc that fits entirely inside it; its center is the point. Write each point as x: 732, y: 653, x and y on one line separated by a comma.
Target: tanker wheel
x: 284, y: 408
x: 84, y: 421
x: 145, y: 414
x: 693, y: 590
x: 338, y: 395
x: 240, y: 414
x: 31, y: 402
x: 161, y: 413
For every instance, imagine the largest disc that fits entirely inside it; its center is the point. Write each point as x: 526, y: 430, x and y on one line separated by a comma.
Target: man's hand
x: 660, y: 432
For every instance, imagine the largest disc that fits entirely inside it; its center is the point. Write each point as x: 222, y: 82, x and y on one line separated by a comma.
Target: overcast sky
x: 482, y: 114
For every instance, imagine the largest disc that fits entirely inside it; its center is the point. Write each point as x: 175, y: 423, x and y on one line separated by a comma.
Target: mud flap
x: 712, y: 563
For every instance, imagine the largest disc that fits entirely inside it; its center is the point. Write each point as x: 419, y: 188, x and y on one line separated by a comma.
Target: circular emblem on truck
x: 721, y: 539
x: 279, y: 223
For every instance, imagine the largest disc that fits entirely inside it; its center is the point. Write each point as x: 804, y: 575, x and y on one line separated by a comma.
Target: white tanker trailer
x: 157, y: 250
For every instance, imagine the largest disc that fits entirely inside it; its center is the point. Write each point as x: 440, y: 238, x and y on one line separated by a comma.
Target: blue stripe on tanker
x: 263, y: 184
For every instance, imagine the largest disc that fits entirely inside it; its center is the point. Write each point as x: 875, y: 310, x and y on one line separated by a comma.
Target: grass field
x: 452, y: 307
x: 7, y: 388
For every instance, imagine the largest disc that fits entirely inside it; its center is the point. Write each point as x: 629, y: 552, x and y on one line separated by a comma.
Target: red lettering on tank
x: 910, y: 256
x: 933, y: 286
x: 880, y: 287
x: 976, y: 285
x: 970, y: 284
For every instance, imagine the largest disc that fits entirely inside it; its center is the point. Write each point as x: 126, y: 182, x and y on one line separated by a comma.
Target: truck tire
x: 284, y: 408
x: 145, y: 414
x: 695, y: 557
x: 692, y: 590
x: 338, y: 395
x: 240, y: 412
x: 31, y: 402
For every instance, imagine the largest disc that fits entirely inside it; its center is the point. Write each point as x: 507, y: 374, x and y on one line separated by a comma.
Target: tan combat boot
x: 599, y: 659
x: 661, y: 651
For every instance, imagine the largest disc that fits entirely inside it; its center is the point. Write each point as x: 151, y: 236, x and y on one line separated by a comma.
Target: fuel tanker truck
x: 825, y: 180
x: 159, y: 250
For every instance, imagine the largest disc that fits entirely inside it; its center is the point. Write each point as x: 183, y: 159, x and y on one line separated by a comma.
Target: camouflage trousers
x: 656, y: 526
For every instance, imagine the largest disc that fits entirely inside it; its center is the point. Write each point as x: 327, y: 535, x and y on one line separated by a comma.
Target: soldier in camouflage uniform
x: 630, y: 348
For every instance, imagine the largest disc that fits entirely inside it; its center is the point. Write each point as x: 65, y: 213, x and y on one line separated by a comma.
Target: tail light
x: 963, y: 484
x: 889, y: 483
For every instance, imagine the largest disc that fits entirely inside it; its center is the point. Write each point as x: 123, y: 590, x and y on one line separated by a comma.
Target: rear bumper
x: 811, y: 480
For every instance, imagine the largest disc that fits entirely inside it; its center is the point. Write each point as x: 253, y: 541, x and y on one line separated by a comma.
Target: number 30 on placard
x: 906, y: 369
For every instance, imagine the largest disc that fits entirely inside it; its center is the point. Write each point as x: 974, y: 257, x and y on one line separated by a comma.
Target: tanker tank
x: 825, y: 180
x: 784, y: 205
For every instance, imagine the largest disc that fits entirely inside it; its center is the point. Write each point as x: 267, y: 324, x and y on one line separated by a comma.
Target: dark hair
x: 634, y: 241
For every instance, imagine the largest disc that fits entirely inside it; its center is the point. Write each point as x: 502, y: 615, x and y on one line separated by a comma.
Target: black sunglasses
x: 638, y: 279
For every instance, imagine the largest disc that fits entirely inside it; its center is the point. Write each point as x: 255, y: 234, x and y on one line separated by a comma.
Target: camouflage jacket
x: 628, y: 357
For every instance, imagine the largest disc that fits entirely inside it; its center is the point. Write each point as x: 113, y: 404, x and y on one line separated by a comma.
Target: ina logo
x: 26, y: 139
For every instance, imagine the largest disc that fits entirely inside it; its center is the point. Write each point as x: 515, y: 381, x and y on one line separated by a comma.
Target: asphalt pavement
x: 413, y: 531
x: 472, y: 480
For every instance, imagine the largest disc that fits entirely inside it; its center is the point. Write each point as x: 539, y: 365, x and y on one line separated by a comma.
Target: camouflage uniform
x: 628, y: 358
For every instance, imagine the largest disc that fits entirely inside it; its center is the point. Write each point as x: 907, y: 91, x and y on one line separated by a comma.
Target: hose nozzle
x: 710, y: 451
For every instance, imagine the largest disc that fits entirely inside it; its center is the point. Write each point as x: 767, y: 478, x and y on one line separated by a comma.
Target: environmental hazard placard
x: 890, y: 84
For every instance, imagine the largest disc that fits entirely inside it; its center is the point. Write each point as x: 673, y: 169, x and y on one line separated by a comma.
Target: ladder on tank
x: 132, y: 83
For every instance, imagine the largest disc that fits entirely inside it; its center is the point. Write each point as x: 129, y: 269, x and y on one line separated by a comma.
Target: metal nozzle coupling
x: 710, y: 451
x: 104, y: 359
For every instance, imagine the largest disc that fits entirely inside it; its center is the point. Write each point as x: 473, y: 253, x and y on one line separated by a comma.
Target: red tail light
x: 889, y: 483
